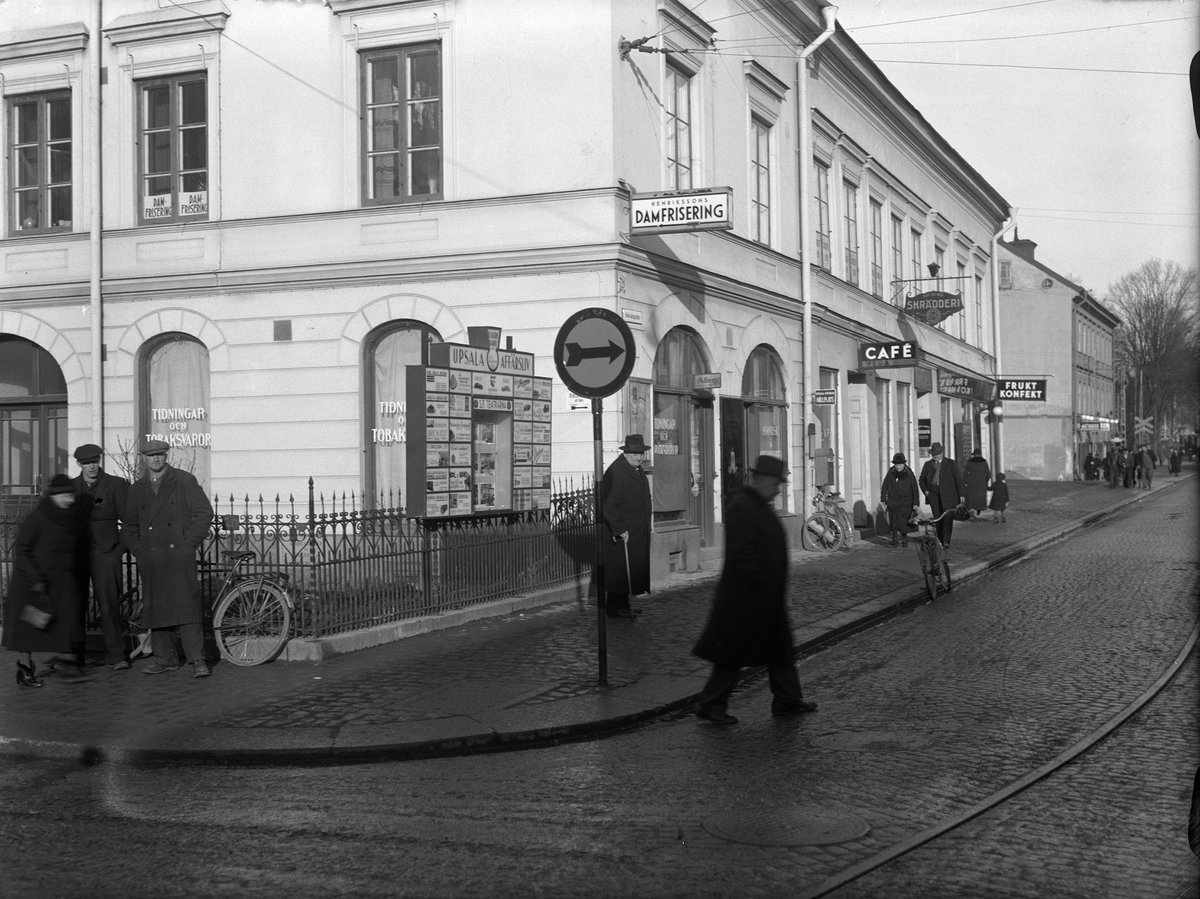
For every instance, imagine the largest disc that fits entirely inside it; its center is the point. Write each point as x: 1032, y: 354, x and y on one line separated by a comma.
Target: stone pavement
x: 519, y: 679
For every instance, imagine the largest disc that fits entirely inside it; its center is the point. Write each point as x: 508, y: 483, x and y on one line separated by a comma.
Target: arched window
x: 33, y: 417
x: 173, y: 388
x: 388, y: 351
x: 682, y: 433
x: 766, y: 408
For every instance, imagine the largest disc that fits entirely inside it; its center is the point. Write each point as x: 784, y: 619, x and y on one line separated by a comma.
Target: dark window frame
x: 176, y: 128
x: 44, y: 143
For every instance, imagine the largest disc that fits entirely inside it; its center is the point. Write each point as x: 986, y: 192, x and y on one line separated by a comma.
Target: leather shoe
x: 120, y: 666
x: 155, y: 668
x: 716, y: 716
x: 792, y: 708
x: 623, y: 613
x: 200, y: 668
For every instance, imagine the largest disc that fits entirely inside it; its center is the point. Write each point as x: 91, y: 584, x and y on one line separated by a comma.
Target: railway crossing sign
x: 1143, y: 425
x: 594, y: 352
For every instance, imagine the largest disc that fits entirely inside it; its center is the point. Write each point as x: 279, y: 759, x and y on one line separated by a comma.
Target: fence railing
x: 353, y: 564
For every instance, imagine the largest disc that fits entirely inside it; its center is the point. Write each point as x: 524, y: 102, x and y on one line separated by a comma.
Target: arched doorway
x: 33, y: 417
x: 174, y: 393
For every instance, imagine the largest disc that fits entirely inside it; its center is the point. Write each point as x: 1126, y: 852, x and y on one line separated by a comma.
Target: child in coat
x: 999, y: 500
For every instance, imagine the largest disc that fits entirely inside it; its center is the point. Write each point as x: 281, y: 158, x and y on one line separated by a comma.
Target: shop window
x: 388, y: 352
x: 402, y: 124
x: 765, y: 404
x: 173, y: 157
x: 826, y: 449
x: 682, y: 424
x: 33, y: 417
x: 679, y: 129
x: 40, y: 148
x: 175, y: 401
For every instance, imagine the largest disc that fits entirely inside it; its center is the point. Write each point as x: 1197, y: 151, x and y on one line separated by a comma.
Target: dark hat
x: 899, y: 459
x: 769, y: 465
x: 152, y: 447
x: 936, y: 450
x: 634, y: 444
x: 60, y: 483
x: 89, y: 452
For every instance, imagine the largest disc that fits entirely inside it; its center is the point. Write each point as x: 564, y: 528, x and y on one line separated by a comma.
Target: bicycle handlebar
x: 934, y: 520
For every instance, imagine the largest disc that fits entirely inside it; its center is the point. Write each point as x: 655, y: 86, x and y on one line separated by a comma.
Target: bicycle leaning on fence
x: 253, y: 616
x: 933, y: 558
x: 829, y: 527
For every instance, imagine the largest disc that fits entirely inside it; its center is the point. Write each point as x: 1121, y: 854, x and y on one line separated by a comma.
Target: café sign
x: 666, y: 212
x: 894, y: 354
x: 933, y: 305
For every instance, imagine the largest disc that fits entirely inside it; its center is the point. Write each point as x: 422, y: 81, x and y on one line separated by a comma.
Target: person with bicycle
x: 166, y: 519
x: 943, y: 489
x: 900, y: 497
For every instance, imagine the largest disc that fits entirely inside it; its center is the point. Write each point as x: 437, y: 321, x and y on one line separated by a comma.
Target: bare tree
x: 1156, y: 344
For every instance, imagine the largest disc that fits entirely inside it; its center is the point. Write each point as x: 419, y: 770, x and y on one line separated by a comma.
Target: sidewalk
x: 521, y: 679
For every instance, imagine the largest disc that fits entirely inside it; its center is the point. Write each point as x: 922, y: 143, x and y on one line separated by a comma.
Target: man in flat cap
x: 943, y: 489
x: 625, y: 505
x: 101, y: 499
x: 165, y: 522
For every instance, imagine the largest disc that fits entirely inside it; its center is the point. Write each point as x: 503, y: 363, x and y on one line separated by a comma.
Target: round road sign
x: 594, y: 352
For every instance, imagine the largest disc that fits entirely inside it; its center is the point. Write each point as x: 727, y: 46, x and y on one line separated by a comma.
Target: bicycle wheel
x: 137, y: 632
x: 821, y: 533
x: 251, y: 623
x: 944, y: 577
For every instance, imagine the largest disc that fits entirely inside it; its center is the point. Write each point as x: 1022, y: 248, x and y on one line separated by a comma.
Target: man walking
x: 625, y: 505
x: 900, y: 497
x: 101, y: 499
x: 749, y: 623
x: 943, y: 489
x: 166, y: 519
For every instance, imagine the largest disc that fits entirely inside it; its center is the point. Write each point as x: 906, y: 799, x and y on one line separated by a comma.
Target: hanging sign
x: 825, y: 397
x: 708, y: 381
x: 1032, y: 390
x: 703, y: 209
x: 895, y: 354
x: 967, y: 387
x: 933, y: 305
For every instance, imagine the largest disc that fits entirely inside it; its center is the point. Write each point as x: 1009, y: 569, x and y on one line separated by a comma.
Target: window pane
x: 423, y: 74
x: 27, y: 166
x: 195, y: 181
x: 60, y: 119
x: 384, y: 80
x: 16, y: 367
x: 425, y: 167
x: 158, y: 152
x: 195, y: 147
x: 158, y: 107
x: 385, y: 128
x: 424, y: 124
x: 385, y: 180
x: 28, y: 210
x: 25, y: 115
x: 158, y: 186
x: 60, y: 163
x: 193, y: 103
x: 60, y: 206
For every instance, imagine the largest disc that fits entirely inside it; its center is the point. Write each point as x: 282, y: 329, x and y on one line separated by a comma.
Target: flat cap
x: 152, y: 447
x: 89, y: 452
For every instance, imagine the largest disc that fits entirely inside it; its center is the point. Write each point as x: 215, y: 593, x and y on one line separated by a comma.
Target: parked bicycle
x: 254, y: 613
x: 934, y: 566
x: 829, y: 527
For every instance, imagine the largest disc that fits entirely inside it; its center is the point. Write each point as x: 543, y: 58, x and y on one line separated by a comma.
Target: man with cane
x: 625, y: 499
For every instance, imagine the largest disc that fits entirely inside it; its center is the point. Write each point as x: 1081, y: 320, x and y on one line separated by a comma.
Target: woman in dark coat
x: 1174, y: 462
x: 625, y: 498
x: 749, y: 623
x: 46, y: 576
x: 979, y: 480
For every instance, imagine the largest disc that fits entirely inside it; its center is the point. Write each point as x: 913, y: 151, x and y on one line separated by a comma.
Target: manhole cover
x: 804, y: 825
x: 867, y: 740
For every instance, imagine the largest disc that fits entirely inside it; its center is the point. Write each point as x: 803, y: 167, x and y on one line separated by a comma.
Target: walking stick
x: 629, y: 578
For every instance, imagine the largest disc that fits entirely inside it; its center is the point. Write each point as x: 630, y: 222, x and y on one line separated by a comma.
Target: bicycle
x: 253, y: 618
x: 829, y: 527
x: 934, y: 566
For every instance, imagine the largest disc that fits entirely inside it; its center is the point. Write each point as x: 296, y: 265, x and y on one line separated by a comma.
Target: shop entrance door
x: 702, y: 471
x: 858, y: 452
x: 732, y: 464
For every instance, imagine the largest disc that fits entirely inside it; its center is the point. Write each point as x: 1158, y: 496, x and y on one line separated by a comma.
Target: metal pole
x: 96, y: 307
x: 598, y: 568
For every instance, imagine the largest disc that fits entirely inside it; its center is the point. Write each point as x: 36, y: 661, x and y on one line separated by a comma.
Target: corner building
x: 288, y: 223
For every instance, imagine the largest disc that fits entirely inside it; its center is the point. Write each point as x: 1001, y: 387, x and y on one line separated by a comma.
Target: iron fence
x: 353, y: 564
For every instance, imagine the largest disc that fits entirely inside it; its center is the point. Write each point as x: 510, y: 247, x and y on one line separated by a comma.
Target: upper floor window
x: 820, y: 197
x: 173, y: 162
x: 979, y: 311
x: 876, y: 248
x: 679, y: 129
x: 760, y: 181
x: 40, y: 149
x: 915, y: 252
x: 402, y: 139
x: 850, y: 219
x: 897, y: 252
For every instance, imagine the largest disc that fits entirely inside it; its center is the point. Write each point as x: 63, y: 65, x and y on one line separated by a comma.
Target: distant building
x: 1057, y: 344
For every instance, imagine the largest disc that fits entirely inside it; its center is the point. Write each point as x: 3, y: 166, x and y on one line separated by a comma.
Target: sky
x: 1050, y: 101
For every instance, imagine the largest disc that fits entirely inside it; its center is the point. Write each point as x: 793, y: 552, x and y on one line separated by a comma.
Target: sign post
x: 594, y: 353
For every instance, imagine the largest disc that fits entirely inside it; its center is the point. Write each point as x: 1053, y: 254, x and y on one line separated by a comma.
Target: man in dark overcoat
x: 748, y: 624
x: 101, y: 499
x: 900, y: 495
x: 943, y: 489
x: 166, y: 519
x: 625, y: 505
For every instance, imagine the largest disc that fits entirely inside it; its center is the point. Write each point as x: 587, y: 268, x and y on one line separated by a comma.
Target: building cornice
x: 173, y: 22
x: 38, y: 42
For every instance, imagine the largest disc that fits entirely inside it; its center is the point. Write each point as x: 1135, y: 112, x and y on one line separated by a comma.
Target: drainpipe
x: 95, y: 42
x: 804, y: 113
x: 1012, y: 221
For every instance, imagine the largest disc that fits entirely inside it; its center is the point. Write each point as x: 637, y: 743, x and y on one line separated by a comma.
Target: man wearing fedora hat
x: 165, y: 522
x: 748, y: 624
x: 901, y: 497
x: 943, y: 489
x: 625, y: 505
x: 101, y: 499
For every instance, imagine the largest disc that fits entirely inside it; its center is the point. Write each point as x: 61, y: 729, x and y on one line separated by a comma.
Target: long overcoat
x: 625, y: 501
x: 978, y: 477
x: 163, y: 531
x: 103, y: 505
x: 46, y: 553
x: 748, y: 624
x: 900, y: 494
x: 950, y: 486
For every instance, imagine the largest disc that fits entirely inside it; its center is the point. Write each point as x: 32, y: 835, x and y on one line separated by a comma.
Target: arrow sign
x: 594, y: 353
x: 577, y: 353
